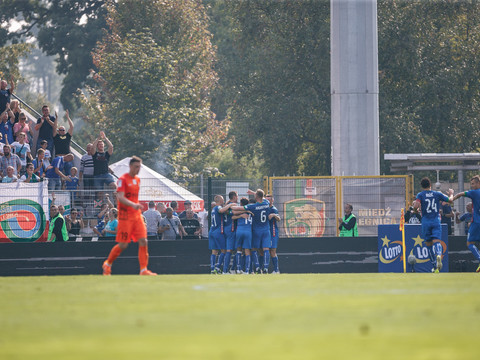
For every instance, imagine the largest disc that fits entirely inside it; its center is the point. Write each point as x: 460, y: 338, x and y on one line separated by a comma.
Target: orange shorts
x: 131, y: 230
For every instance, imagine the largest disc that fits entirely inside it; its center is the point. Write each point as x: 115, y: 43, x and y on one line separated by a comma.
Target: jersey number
x: 431, y: 205
x: 263, y: 217
x: 214, y: 222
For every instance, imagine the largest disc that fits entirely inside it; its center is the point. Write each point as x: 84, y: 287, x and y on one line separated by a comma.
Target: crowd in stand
x: 31, y: 153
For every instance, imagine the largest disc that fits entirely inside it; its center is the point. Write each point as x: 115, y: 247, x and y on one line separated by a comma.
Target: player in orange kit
x: 130, y: 223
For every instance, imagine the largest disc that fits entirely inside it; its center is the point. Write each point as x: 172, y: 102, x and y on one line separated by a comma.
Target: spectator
x: 61, y: 141
x: 61, y: 209
x: 30, y: 176
x: 54, y: 172
x: 86, y: 169
x: 22, y: 126
x: 191, y: 225
x: 1, y: 145
x: 203, y: 219
x: 15, y: 107
x: 112, y: 224
x: 5, y: 93
x: 45, y: 127
x: 412, y: 216
x: 188, y: 206
x: 174, y: 206
x: 22, y: 149
x: 447, y: 215
x: 74, y: 222
x: 162, y: 209
x: 71, y: 184
x: 152, y: 218
x: 101, y: 159
x: 467, y: 217
x: 10, y: 176
x: 101, y: 219
x: 58, y: 228
x: 48, y: 154
x: 7, y: 120
x: 9, y: 159
x: 40, y: 164
x: 170, y: 226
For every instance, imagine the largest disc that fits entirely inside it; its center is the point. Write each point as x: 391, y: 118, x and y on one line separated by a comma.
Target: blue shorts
x: 243, y: 239
x: 230, y: 240
x: 431, y: 230
x: 216, y: 240
x: 261, y: 239
x: 473, y: 232
x: 274, y: 242
x: 99, y: 180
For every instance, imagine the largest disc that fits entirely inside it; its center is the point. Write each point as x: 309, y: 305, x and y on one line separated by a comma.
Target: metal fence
x: 308, y: 206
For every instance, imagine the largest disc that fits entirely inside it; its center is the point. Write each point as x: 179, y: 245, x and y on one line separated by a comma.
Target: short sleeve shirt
x: 130, y: 186
x: 100, y: 163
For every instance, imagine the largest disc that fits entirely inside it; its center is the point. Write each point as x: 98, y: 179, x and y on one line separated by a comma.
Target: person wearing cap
x: 188, y: 206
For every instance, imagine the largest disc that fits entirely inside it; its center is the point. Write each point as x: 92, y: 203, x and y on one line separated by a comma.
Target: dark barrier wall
x: 299, y: 255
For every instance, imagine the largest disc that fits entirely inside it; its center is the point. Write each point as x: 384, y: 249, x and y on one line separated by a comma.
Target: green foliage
x: 69, y: 29
x: 155, y: 75
x: 9, y: 61
x: 274, y: 66
x: 429, y: 72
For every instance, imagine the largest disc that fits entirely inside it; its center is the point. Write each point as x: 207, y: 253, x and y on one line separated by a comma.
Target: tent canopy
x: 156, y: 187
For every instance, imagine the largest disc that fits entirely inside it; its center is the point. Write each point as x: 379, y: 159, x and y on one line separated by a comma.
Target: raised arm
x: 70, y: 122
x: 54, y: 124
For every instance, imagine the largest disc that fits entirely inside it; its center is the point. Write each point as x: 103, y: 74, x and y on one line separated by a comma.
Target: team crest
x: 304, y: 218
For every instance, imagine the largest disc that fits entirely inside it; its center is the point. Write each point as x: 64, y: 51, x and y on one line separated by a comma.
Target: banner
x: 23, y: 212
x: 390, y: 248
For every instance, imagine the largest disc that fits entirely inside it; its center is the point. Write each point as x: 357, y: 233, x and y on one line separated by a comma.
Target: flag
x: 402, y: 221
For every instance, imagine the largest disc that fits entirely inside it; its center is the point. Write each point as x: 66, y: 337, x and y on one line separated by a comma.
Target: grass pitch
x: 330, y: 316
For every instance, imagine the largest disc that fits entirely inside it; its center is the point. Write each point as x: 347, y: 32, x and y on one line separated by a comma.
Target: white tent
x: 156, y: 187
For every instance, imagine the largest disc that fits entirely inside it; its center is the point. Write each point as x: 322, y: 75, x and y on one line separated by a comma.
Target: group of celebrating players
x: 249, y: 230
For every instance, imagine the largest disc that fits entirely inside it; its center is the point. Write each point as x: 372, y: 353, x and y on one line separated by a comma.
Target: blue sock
x: 438, y: 248
x: 226, y: 263
x: 275, y: 263
x: 248, y: 258
x: 261, y: 260
x: 432, y: 256
x: 238, y: 258
x: 474, y: 251
x: 234, y: 261
x: 266, y: 259
x: 212, y: 261
x: 255, y: 260
x: 220, y: 260
x: 243, y: 262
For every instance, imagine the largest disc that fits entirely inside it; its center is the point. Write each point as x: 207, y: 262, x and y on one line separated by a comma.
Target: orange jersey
x: 130, y: 186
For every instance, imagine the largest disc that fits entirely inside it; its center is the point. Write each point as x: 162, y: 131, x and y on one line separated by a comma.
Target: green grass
x: 329, y: 316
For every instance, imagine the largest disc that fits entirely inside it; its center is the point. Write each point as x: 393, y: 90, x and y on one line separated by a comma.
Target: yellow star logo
x: 418, y: 241
x: 385, y: 241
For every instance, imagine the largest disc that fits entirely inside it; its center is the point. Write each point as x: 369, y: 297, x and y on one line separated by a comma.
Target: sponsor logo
x: 390, y: 250
x: 304, y: 218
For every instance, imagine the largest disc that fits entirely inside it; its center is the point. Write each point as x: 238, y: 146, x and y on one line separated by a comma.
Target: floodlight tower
x: 354, y: 87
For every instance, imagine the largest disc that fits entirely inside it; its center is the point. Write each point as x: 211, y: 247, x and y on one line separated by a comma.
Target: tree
x: 155, y: 74
x: 274, y: 71
x: 69, y: 29
x: 429, y: 72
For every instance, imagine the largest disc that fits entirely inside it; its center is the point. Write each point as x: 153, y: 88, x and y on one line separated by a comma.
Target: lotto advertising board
x: 23, y: 212
x: 390, y: 249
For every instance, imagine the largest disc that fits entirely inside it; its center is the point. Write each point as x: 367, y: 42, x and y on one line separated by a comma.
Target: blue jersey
x: 273, y: 222
x: 475, y: 196
x: 431, y: 204
x: 260, y: 214
x: 244, y: 225
x: 217, y: 219
x: 228, y: 223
